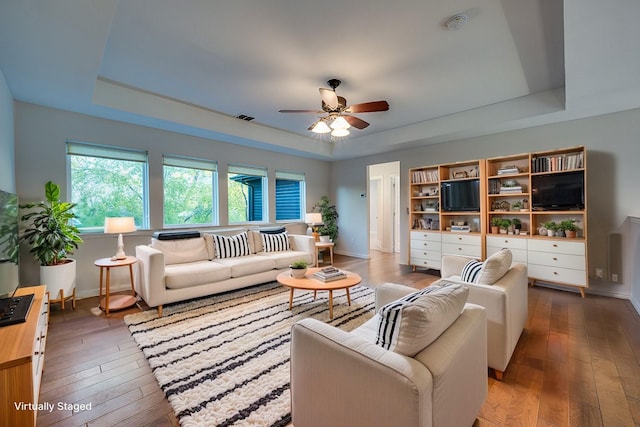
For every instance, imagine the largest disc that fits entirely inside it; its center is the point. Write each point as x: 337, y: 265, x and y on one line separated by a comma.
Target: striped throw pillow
x: 408, y: 325
x: 471, y: 271
x: 231, y: 246
x: 275, y: 242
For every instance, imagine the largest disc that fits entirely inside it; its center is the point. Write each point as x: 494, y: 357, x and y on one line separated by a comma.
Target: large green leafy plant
x: 50, y: 233
x: 329, y: 217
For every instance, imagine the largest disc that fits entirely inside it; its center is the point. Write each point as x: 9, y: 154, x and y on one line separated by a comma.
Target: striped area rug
x: 224, y: 360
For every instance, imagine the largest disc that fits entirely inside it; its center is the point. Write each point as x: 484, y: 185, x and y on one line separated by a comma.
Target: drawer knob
x: 555, y: 259
x: 555, y: 272
x: 506, y: 241
x: 459, y: 238
x: 555, y: 246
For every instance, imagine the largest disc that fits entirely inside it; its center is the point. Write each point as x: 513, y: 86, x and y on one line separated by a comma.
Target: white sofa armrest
x: 303, y: 243
x: 452, y: 265
x: 339, y: 379
x: 151, y: 286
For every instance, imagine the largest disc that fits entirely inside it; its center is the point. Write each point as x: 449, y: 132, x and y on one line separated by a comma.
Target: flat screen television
x: 460, y: 196
x: 563, y: 191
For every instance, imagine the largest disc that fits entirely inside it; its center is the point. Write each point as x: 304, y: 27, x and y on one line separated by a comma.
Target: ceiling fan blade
x: 301, y: 111
x: 368, y: 107
x: 356, y: 122
x: 329, y: 97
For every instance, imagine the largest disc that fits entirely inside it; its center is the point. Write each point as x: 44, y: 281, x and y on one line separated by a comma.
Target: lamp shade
x: 340, y: 123
x: 124, y: 224
x: 321, y: 127
x: 313, y: 218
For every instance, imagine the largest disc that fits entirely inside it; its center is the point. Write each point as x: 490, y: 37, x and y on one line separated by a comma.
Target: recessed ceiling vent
x: 244, y: 117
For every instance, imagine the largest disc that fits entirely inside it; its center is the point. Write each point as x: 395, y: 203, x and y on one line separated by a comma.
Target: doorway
x: 384, y: 204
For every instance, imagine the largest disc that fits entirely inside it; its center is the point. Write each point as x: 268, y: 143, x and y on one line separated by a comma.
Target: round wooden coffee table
x: 308, y: 283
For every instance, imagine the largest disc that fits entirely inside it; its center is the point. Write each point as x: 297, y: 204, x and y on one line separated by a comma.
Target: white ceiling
x: 190, y: 66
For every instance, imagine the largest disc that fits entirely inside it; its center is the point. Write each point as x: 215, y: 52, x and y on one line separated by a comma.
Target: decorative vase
x: 60, y: 280
x: 550, y: 233
x: 542, y: 231
x: 298, y: 273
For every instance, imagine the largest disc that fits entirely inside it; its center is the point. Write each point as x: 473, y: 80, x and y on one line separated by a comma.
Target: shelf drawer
x: 506, y: 242
x: 461, y: 239
x: 559, y: 260
x: 465, y: 250
x: 518, y: 255
x: 426, y: 263
x: 425, y: 244
x: 557, y: 246
x: 429, y: 236
x: 560, y: 275
x: 433, y: 255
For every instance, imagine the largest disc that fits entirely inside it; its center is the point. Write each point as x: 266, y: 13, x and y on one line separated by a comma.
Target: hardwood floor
x: 576, y: 364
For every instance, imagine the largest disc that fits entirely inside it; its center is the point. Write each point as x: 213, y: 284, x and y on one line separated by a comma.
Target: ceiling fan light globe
x: 340, y: 132
x: 321, y: 127
x: 340, y: 123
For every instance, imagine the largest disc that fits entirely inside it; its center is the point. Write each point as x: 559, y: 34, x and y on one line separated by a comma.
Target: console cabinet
x: 21, y: 361
x: 509, y: 190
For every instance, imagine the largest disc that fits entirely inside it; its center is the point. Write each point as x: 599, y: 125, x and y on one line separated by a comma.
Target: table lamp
x: 113, y: 225
x: 314, y: 220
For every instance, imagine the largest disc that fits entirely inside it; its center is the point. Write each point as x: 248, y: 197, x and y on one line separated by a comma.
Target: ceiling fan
x: 338, y: 117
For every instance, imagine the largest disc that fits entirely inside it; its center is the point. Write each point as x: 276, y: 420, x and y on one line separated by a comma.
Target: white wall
x: 7, y: 176
x: 41, y: 133
x: 613, y: 173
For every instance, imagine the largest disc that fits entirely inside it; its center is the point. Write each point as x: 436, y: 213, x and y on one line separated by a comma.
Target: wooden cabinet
x: 21, y: 362
x: 426, y: 249
x: 528, y: 189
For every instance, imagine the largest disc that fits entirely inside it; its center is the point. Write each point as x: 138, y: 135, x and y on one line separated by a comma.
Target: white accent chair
x: 506, y: 301
x: 344, y: 379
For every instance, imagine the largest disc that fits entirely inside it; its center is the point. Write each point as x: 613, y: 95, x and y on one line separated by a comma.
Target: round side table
x: 115, y: 302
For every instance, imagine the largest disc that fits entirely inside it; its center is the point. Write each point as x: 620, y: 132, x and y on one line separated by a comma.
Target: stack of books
x: 509, y: 190
x: 329, y: 274
x: 508, y: 170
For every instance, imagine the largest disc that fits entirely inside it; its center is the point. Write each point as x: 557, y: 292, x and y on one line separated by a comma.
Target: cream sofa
x: 180, y: 266
x: 345, y: 379
x: 506, y: 301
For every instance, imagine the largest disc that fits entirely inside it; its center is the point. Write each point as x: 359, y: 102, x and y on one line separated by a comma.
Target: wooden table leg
x: 348, y: 297
x: 290, y: 298
x: 133, y: 290
x: 317, y: 254
x: 331, y: 252
x: 330, y: 304
x: 106, y: 304
x: 100, y: 297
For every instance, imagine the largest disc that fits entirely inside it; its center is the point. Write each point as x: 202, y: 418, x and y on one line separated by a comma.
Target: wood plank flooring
x: 576, y: 364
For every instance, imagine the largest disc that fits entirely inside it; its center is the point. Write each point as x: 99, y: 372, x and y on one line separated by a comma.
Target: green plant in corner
x: 568, y: 225
x: 329, y: 218
x: 50, y: 233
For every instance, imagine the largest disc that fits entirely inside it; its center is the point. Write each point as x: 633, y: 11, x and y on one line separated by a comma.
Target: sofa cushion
x: 489, y: 271
x: 285, y: 258
x: 211, y: 246
x: 246, y: 265
x: 231, y: 246
x: 182, y: 251
x: 410, y: 324
x: 275, y: 242
x: 180, y: 276
x: 471, y: 271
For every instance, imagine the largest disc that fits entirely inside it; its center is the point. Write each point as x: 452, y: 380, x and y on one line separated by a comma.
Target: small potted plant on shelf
x: 551, y: 228
x: 505, y: 223
x: 516, y: 206
x: 517, y: 225
x: 569, y: 227
x: 495, y: 224
x: 298, y: 268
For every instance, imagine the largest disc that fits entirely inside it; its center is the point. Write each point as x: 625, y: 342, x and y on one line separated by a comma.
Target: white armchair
x: 506, y: 302
x: 344, y: 379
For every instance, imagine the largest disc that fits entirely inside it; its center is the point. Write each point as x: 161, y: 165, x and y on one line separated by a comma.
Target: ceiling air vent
x: 244, y: 117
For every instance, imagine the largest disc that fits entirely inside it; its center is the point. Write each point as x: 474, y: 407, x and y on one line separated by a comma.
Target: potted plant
x: 551, y: 228
x: 516, y: 206
x: 52, y: 236
x: 329, y: 225
x: 505, y: 223
x: 298, y: 268
x: 517, y: 225
x: 569, y: 227
x: 495, y: 224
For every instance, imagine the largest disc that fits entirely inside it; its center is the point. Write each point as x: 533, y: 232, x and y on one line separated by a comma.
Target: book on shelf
x: 560, y: 162
x: 508, y: 171
x: 424, y: 176
x: 508, y: 190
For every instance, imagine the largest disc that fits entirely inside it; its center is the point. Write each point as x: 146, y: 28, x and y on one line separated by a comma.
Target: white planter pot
x: 298, y: 273
x: 325, y: 239
x: 59, y: 278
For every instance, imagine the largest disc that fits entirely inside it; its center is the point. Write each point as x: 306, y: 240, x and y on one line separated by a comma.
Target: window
x: 247, y: 191
x: 290, y: 196
x: 107, y: 181
x: 190, y: 195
